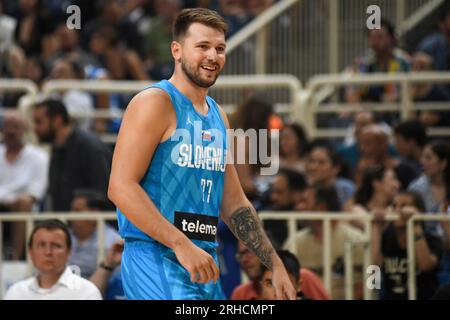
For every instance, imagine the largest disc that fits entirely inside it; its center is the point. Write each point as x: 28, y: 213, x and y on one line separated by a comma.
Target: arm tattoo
x: 246, y: 227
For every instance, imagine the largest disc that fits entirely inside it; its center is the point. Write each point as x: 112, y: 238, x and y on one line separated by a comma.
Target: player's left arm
x: 241, y: 217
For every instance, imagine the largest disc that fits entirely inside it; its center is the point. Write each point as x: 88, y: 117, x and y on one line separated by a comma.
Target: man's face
x: 361, y: 120
x: 267, y: 289
x: 62, y: 70
x: 445, y: 25
x: 380, y: 41
x: 248, y: 261
x: 281, y: 195
x: 43, y: 126
x: 432, y: 164
x: 13, y: 130
x: 373, y: 145
x: 403, y: 146
x: 49, y: 251
x: 319, y: 166
x: 202, y: 54
x: 82, y: 228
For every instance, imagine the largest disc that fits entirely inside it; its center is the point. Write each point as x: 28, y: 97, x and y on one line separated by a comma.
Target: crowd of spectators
x: 383, y: 166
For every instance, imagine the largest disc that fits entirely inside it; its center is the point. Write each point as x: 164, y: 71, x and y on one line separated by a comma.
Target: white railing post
x: 368, y: 293
x: 29, y: 228
x: 327, y: 254
x: 348, y: 265
x: 411, y: 258
x: 261, y: 51
x: 100, y: 239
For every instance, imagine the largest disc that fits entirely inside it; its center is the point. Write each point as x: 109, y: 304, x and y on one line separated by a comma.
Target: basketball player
x: 170, y: 178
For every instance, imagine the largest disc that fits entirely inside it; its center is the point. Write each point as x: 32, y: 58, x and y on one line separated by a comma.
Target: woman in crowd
x: 378, y: 188
x: 323, y: 166
x: 293, y: 144
x: 431, y: 185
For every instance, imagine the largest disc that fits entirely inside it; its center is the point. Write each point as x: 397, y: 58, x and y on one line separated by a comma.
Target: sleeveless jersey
x: 186, y: 174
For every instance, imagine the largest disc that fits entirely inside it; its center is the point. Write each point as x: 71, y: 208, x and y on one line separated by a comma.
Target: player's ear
x: 175, y: 47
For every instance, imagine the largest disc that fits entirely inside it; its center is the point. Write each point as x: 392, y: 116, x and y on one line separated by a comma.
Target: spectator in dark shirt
x: 79, y: 160
x: 429, y: 92
x: 410, y: 139
x: 389, y: 251
x: 286, y: 194
x: 437, y: 45
x: 374, y: 148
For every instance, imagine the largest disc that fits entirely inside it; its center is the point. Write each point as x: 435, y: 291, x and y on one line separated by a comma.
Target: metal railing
x: 291, y: 217
x: 309, y: 37
x: 29, y: 219
x: 229, y: 91
x: 406, y: 106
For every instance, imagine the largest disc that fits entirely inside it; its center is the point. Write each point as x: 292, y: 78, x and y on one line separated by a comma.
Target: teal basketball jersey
x: 186, y: 174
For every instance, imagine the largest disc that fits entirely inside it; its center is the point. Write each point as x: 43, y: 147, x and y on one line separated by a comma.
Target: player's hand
x: 284, y: 290
x: 200, y: 265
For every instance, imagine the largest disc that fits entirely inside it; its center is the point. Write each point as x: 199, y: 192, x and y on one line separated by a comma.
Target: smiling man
x: 171, y: 180
x: 49, y: 248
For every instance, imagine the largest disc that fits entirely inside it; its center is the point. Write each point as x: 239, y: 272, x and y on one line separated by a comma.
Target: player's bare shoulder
x: 151, y: 108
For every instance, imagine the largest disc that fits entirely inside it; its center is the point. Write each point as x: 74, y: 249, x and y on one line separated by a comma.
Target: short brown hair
x: 51, y: 224
x: 207, y: 17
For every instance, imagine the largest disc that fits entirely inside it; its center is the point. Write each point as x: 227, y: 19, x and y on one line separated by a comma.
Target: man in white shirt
x: 23, y: 176
x: 49, y: 248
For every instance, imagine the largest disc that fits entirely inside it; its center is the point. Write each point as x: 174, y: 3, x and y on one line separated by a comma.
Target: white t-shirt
x: 69, y: 287
x: 28, y: 174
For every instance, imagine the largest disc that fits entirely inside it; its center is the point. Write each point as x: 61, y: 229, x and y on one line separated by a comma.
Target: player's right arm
x: 148, y: 120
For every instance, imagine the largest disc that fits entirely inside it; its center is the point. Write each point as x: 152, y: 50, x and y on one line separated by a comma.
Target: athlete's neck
x: 196, y: 94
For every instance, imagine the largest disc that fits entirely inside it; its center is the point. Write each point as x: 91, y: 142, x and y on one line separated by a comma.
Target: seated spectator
x: 107, y: 277
x: 389, y: 251
x: 64, y: 43
x: 84, y: 234
x: 234, y: 13
x: 293, y: 144
x: 378, y: 188
x: 374, y: 151
x: 78, y: 102
x: 292, y: 266
x: 32, y: 25
x: 384, y: 56
x: 23, y: 178
x: 349, y: 150
x: 12, y: 61
x: 79, y: 159
x: 49, y: 248
x: 431, y: 185
x: 323, y: 166
x: 437, y: 45
x: 311, y: 285
x: 309, y: 241
x: 251, y: 266
x: 158, y: 37
x: 426, y: 91
x: 286, y: 194
x: 410, y: 138
x: 122, y: 64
